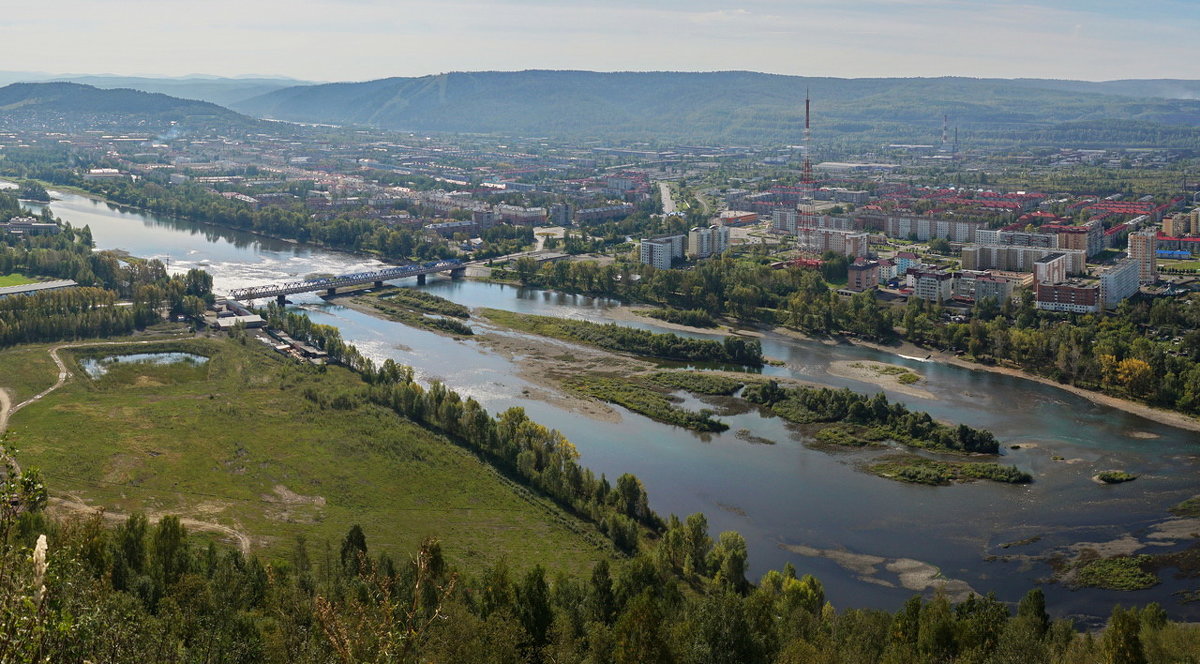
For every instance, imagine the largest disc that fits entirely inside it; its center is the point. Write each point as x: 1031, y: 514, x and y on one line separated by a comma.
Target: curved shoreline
x: 1168, y: 417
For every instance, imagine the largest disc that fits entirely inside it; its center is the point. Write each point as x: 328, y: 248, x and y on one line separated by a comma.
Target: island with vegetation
x: 614, y: 337
x: 418, y: 309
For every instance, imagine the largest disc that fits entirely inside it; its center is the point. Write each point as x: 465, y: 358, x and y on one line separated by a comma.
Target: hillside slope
x: 84, y: 104
x: 732, y: 107
x: 222, y: 91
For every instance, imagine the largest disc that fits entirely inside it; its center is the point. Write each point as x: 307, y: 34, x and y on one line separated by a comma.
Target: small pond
x: 97, y: 367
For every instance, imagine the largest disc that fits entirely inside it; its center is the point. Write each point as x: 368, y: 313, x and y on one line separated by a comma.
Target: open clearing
x: 14, y: 279
x: 237, y: 442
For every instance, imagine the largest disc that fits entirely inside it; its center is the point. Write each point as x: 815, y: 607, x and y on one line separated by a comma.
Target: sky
x: 335, y: 40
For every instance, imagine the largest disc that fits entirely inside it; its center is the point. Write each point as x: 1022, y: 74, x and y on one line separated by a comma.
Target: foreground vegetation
x: 610, y: 336
x: 77, y: 590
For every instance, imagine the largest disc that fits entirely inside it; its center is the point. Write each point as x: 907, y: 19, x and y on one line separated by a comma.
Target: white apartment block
x: 1119, y: 282
x: 659, y: 252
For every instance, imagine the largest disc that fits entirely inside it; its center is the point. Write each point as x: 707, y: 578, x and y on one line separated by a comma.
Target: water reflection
x: 781, y: 495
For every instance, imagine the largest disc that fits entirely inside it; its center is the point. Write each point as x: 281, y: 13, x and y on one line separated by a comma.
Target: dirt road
x: 74, y: 503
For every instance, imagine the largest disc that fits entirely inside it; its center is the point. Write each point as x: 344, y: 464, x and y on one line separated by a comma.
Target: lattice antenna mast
x: 807, y: 174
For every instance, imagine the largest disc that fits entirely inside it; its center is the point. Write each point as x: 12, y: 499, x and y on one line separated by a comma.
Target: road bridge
x: 330, y: 285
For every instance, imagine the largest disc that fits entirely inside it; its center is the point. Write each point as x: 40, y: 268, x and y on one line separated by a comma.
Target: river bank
x: 627, y: 314
x: 786, y: 493
x: 1171, y: 418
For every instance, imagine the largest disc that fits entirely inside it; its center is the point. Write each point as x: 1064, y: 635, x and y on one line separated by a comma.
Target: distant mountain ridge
x: 216, y: 89
x: 73, y: 102
x: 738, y: 106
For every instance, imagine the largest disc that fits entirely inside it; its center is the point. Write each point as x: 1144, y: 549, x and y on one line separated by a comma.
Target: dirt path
x: 74, y: 503
x: 5, y: 408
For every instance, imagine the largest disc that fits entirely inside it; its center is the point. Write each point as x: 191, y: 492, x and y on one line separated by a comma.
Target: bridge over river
x: 456, y: 268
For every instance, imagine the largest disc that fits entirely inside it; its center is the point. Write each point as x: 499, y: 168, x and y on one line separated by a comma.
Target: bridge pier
x: 420, y: 280
x: 281, y: 299
x: 379, y: 284
x: 458, y: 273
x: 331, y: 291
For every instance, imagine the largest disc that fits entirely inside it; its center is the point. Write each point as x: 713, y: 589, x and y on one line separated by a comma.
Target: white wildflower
x: 39, y: 568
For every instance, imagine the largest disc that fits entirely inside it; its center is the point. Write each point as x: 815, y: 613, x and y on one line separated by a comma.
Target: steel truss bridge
x: 456, y: 268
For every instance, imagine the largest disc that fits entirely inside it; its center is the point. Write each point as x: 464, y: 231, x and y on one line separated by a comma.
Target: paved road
x: 668, y: 201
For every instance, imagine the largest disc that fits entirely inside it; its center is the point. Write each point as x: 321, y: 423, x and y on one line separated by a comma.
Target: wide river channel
x: 865, y: 537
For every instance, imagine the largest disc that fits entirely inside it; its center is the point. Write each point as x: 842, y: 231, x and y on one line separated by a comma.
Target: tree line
x: 541, y: 458
x: 78, y: 590
x: 822, y: 404
x: 1146, y: 350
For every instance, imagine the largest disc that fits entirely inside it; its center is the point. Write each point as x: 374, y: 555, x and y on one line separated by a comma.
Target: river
x: 854, y: 531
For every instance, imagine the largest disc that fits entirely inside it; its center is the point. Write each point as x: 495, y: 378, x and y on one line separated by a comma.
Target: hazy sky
x: 363, y: 39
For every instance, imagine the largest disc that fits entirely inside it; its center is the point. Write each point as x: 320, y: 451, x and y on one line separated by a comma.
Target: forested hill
x: 83, y: 103
x: 223, y: 91
x: 736, y: 107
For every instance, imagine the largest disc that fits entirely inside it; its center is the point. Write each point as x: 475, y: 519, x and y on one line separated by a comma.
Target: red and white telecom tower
x: 806, y: 178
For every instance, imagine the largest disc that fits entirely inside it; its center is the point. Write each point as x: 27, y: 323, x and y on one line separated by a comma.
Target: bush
x: 1115, y: 477
x: 1119, y: 573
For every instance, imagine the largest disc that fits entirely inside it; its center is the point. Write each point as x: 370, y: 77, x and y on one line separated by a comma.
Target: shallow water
x: 783, y: 494
x: 96, y: 367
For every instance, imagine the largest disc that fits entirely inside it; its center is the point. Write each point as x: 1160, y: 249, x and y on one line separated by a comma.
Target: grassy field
x: 14, y: 279
x: 26, y: 370
x: 236, y: 442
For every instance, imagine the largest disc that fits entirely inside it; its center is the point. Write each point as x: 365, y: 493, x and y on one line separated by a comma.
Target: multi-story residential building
x: 560, y: 214
x: 1119, y: 282
x: 517, y: 215
x: 887, y: 270
x: 1143, y: 248
x: 1089, y: 237
x: 923, y: 228
x: 842, y: 195
x: 705, y: 242
x: 993, y: 287
x: 862, y: 274
x: 932, y: 285
x: 784, y: 220
x: 840, y: 223
x: 619, y: 211
x: 906, y: 260
x: 1017, y: 238
x: 820, y: 240
x: 1051, y: 268
x: 1073, y: 296
x: 977, y: 285
x: 1014, y: 258
x: 1177, y: 225
x: 660, y: 252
